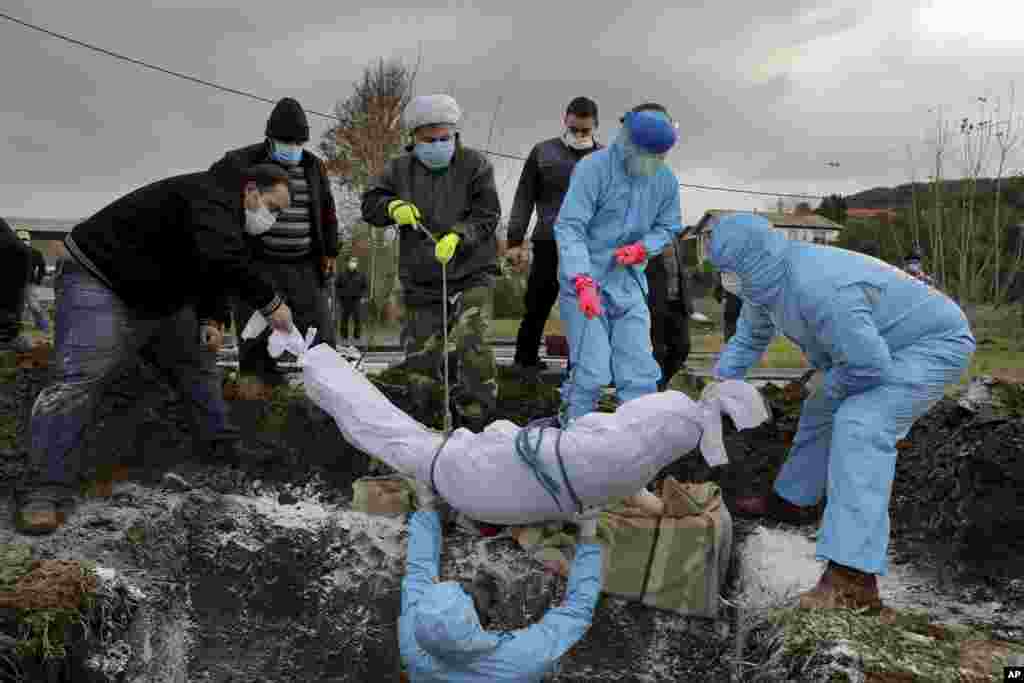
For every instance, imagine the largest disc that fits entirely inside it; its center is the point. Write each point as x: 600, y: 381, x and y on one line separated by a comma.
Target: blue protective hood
x: 651, y: 131
x: 447, y: 625
x: 746, y: 244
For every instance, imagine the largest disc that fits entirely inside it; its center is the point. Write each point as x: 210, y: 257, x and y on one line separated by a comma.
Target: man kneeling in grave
x: 442, y: 628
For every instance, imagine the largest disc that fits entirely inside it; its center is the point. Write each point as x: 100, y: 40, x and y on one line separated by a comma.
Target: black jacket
x: 15, y: 264
x: 322, y: 213
x: 543, y: 184
x: 174, y: 243
x: 463, y: 199
x: 38, y: 267
x: 352, y: 284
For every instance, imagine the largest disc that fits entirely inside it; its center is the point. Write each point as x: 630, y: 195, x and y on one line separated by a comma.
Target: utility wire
x: 332, y: 117
x: 154, y: 67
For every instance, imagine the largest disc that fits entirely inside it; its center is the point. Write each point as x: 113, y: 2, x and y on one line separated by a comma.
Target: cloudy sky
x: 766, y: 93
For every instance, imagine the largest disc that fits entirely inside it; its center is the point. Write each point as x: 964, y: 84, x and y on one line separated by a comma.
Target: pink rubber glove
x: 631, y: 254
x: 590, y: 302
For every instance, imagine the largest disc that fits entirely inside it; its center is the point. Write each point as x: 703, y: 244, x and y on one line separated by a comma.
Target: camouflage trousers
x: 473, y: 373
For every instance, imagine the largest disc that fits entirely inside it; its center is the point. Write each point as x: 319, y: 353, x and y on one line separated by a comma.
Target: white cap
x: 432, y: 110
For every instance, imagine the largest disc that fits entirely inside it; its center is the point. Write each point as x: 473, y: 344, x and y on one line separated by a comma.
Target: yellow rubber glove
x: 445, y: 249
x: 403, y: 212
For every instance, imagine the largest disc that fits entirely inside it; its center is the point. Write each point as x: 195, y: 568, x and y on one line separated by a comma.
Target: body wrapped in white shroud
x: 606, y: 456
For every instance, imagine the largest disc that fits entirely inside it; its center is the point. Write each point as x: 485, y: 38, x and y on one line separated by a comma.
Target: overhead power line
x: 154, y: 67
x: 766, y: 194
x: 331, y: 117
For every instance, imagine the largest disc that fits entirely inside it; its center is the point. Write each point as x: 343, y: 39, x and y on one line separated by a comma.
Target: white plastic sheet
x: 738, y: 400
x: 606, y: 456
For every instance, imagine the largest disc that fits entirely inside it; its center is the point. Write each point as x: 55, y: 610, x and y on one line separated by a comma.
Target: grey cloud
x: 83, y: 127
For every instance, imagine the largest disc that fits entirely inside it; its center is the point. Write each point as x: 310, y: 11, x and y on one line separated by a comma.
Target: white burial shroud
x: 606, y: 456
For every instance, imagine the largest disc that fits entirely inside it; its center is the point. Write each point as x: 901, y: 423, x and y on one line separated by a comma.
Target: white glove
x: 292, y: 342
x: 587, y: 521
x: 279, y: 342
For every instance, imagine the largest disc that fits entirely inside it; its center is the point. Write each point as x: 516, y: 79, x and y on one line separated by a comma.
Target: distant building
x: 886, y: 216
x: 802, y: 226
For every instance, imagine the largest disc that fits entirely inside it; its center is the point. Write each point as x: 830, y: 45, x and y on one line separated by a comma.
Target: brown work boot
x: 842, y: 587
x: 37, y: 517
x: 775, y: 507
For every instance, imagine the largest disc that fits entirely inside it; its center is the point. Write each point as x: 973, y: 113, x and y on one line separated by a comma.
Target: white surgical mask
x: 578, y: 143
x: 259, y: 221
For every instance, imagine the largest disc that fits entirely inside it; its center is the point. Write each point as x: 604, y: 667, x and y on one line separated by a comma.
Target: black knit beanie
x: 288, y: 122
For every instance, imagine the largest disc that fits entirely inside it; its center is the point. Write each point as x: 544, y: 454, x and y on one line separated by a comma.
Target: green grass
x: 507, y: 328
x: 901, y: 645
x: 998, y: 353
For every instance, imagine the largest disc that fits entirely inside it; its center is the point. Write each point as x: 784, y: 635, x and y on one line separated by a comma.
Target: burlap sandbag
x: 389, y: 496
x: 677, y: 561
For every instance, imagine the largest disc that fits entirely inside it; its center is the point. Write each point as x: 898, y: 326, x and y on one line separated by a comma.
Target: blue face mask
x: 285, y: 152
x: 435, y: 155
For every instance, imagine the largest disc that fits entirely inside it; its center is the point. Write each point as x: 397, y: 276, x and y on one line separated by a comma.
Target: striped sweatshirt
x: 290, y: 239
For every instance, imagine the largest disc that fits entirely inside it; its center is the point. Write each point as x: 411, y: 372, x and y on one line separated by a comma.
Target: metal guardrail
x: 375, y: 363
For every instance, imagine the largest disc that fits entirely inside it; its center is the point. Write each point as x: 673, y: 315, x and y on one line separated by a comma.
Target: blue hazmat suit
x: 439, y: 632
x: 887, y: 343
x: 604, y: 209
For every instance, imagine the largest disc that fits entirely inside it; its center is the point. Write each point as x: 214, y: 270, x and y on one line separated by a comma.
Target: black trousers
x: 733, y: 306
x: 15, y: 264
x: 351, y: 310
x: 541, y: 294
x: 670, y: 336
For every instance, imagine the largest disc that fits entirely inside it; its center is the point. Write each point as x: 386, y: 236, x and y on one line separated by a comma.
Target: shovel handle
x: 421, y: 227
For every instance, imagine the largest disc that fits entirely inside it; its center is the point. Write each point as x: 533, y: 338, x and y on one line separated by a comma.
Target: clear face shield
x: 640, y: 162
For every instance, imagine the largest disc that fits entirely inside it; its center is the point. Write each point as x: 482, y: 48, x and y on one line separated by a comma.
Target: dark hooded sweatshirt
x: 288, y: 121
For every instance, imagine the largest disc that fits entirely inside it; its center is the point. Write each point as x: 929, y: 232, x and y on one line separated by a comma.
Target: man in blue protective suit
x: 622, y: 207
x: 441, y: 628
x: 884, y: 346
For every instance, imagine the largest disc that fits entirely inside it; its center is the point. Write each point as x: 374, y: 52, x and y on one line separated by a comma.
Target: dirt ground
x: 262, y: 612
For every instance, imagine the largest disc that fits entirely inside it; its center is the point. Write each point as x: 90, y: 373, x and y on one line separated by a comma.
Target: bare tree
x: 1007, y: 134
x: 914, y: 215
x: 976, y: 138
x: 369, y: 129
x: 939, y: 143
x: 369, y: 132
